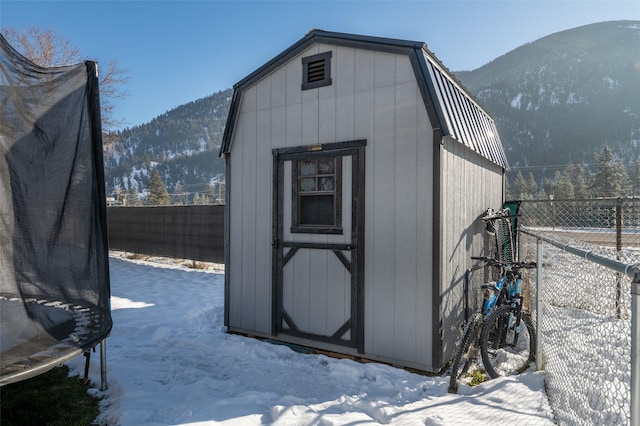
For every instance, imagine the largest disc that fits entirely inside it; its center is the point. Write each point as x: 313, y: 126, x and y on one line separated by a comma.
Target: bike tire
x: 501, y: 353
x: 467, y: 351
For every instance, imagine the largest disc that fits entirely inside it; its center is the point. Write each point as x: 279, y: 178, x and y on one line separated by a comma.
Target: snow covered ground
x: 170, y: 362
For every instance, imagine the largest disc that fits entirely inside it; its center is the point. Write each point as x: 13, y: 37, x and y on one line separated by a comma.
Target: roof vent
x: 316, y: 71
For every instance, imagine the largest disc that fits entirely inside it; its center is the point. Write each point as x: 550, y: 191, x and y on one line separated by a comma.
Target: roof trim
x: 342, y: 39
x: 312, y: 37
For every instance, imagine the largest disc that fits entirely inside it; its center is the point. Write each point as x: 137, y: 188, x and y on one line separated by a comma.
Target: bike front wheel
x: 507, y: 342
x: 467, y: 352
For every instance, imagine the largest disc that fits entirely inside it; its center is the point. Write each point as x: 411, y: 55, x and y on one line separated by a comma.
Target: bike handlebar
x: 501, y: 214
x: 510, y: 265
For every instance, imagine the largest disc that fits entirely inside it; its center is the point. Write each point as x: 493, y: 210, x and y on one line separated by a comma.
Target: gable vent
x: 316, y: 71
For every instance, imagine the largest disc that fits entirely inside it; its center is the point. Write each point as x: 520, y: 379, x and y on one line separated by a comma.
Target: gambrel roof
x: 451, y: 108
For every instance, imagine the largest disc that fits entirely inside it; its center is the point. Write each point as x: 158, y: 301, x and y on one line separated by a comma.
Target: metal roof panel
x: 467, y: 121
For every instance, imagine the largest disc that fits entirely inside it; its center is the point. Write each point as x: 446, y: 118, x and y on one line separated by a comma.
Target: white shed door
x: 318, y: 242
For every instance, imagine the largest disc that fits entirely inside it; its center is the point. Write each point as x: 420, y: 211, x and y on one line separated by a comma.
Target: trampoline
x: 54, y: 270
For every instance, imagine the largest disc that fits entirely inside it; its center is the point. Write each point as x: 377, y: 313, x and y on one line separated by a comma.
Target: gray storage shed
x: 357, y: 171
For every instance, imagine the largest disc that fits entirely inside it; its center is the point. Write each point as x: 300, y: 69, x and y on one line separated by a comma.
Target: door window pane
x: 317, y: 210
x: 317, y: 195
x: 326, y: 183
x: 308, y: 168
x: 326, y: 166
x: 308, y: 184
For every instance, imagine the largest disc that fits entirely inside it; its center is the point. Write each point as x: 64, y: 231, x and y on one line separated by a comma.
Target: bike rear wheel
x: 467, y: 351
x: 507, y: 342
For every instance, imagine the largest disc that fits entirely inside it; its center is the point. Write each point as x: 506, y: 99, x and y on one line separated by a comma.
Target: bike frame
x: 491, y: 300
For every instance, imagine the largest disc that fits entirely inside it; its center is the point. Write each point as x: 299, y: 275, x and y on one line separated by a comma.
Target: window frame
x: 326, y: 81
x: 296, y: 194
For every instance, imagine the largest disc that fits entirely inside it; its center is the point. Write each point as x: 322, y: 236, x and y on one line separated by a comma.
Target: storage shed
x: 357, y: 169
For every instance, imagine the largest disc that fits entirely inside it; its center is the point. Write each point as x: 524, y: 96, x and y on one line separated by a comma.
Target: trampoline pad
x: 38, y: 334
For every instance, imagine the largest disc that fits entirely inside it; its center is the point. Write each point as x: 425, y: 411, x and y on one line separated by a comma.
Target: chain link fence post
x: 618, y: 256
x: 539, y: 353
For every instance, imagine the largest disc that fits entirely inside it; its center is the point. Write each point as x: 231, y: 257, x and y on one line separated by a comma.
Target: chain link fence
x: 583, y: 305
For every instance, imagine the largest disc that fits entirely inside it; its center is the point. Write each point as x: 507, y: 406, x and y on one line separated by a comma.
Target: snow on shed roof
x: 451, y: 107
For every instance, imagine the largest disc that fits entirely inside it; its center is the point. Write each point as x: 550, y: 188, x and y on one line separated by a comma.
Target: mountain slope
x: 561, y: 98
x: 181, y: 144
x: 556, y: 101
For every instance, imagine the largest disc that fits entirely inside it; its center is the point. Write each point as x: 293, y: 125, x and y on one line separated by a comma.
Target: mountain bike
x: 507, y: 338
x: 495, y: 335
x: 499, y: 228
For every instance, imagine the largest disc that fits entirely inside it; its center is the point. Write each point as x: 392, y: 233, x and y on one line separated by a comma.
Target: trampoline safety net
x: 54, y: 271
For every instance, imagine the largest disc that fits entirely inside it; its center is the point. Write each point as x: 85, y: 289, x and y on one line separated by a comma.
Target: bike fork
x: 518, y: 321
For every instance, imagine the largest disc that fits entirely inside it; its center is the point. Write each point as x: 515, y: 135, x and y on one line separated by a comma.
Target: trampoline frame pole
x: 103, y: 365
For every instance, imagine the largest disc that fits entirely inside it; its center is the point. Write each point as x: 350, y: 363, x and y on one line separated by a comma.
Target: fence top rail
x: 631, y: 270
x: 632, y: 200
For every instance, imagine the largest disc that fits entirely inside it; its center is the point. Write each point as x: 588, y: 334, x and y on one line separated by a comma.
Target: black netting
x: 54, y: 277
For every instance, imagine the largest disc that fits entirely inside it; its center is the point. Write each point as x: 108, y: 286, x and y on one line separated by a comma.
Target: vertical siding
x: 248, y: 248
x: 406, y: 188
x: 374, y: 96
x: 235, y: 222
x: 262, y: 218
x: 345, y: 71
x: 381, y: 227
x: 470, y: 184
x: 398, y: 238
x: 423, y: 301
x: 345, y: 113
x: 310, y: 121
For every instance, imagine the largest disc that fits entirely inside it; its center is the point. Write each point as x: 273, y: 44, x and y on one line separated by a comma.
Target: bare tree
x: 45, y: 47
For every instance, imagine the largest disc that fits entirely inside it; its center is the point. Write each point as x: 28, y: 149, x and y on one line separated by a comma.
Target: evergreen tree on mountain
x: 579, y: 180
x: 532, y: 186
x: 525, y: 189
x: 564, y: 189
x: 131, y: 199
x: 158, y: 194
x: 209, y: 193
x: 611, y: 179
x: 634, y: 176
x: 547, y: 188
x: 519, y: 186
